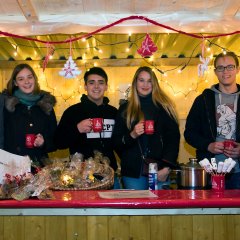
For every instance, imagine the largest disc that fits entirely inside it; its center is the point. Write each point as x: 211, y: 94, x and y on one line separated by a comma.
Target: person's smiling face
x: 25, y: 81
x: 226, y: 77
x: 95, y: 87
x: 144, y: 84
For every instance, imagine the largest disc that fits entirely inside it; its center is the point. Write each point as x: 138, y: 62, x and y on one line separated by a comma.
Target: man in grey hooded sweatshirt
x: 214, y: 117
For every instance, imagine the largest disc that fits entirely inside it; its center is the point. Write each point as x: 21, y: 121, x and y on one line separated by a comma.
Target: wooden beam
x: 108, y: 62
x: 28, y: 10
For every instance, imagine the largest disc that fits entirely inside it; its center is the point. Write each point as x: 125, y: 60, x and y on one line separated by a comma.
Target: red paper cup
x: 97, y: 124
x: 29, y: 140
x: 218, y: 183
x: 149, y: 127
x: 229, y: 143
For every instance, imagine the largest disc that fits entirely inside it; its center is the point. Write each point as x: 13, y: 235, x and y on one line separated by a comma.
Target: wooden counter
x: 172, y: 215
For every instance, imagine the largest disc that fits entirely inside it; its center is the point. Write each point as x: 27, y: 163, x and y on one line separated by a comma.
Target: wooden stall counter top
x: 162, y: 215
x: 164, y: 199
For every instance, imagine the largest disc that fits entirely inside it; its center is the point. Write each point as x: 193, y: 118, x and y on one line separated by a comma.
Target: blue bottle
x: 152, y: 176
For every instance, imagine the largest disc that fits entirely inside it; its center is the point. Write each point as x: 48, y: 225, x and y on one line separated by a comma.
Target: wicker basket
x: 106, y: 183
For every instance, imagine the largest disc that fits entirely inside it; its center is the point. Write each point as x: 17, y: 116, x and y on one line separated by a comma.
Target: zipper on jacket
x: 208, y: 118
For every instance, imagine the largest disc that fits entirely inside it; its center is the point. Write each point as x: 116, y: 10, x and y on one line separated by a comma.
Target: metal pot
x: 175, y: 178
x: 193, y: 176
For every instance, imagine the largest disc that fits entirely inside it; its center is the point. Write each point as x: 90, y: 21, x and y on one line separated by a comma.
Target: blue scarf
x: 26, y: 99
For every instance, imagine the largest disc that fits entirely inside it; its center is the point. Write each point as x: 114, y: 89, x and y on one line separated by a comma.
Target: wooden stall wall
x: 177, y: 227
x: 181, y: 87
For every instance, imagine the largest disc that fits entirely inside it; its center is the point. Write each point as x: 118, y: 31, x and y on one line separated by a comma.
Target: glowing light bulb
x: 67, y: 180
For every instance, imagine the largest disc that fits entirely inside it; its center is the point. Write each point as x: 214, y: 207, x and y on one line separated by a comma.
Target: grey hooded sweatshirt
x: 226, y: 108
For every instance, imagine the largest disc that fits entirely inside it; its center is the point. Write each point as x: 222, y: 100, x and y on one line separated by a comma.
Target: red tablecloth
x: 165, y: 199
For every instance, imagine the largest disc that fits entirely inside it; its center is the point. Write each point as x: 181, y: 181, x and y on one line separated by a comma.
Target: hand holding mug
x: 138, y: 129
x: 39, y: 140
x: 85, y: 126
x: 216, y: 147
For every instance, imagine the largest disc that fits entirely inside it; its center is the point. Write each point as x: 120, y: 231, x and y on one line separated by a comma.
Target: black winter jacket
x: 68, y: 136
x: 201, y: 128
x: 20, y: 120
x: 163, y: 145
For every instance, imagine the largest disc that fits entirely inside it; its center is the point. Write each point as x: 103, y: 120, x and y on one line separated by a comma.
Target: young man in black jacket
x: 75, y: 131
x: 214, y: 117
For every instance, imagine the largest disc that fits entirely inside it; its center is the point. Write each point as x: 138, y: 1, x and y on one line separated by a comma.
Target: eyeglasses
x: 222, y: 68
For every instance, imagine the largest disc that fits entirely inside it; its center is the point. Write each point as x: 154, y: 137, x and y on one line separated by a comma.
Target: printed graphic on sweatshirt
x: 226, y: 121
x: 108, y: 125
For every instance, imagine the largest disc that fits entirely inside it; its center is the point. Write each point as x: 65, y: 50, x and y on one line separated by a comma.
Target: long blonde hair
x: 133, y: 111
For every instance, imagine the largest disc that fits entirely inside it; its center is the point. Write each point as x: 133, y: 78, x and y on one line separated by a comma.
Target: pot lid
x: 193, y: 163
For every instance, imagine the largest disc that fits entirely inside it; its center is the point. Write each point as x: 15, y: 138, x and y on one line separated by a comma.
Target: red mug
x: 97, y: 124
x: 218, y: 183
x: 29, y: 140
x: 229, y: 143
x: 149, y: 127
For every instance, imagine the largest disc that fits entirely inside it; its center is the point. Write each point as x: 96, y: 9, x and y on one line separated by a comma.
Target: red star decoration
x: 148, y: 47
x: 68, y: 70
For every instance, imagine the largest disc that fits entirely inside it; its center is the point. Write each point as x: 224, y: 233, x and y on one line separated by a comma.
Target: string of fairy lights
x: 163, y: 79
x: 149, y: 61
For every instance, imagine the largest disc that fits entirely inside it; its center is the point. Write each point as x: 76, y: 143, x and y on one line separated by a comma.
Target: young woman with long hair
x: 146, y: 102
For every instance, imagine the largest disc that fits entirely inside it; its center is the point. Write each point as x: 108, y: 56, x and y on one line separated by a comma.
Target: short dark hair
x: 95, y: 70
x: 227, y: 54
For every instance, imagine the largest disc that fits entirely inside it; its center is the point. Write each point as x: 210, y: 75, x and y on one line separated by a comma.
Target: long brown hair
x: 11, y: 87
x: 133, y: 111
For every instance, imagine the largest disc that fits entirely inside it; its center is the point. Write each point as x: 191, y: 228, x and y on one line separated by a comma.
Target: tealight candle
x: 67, y: 180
